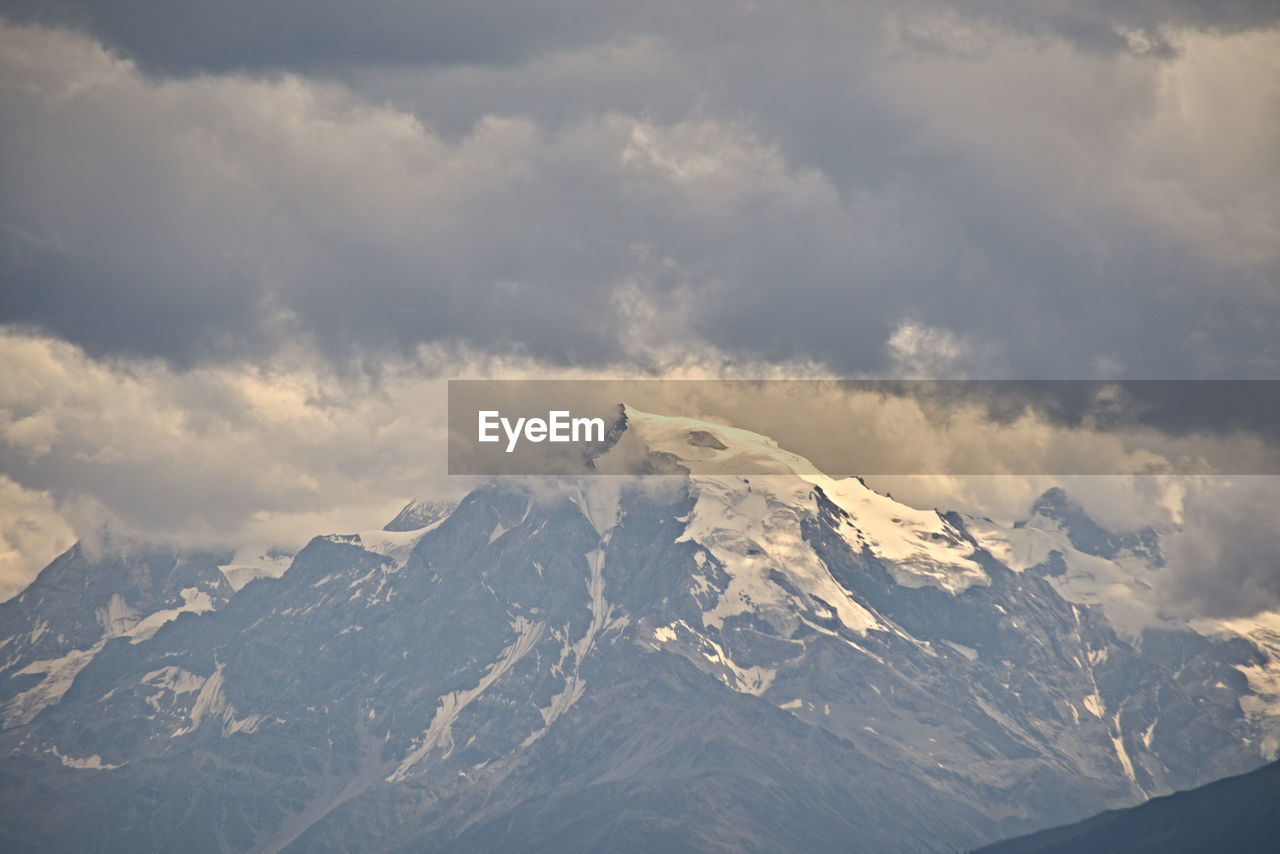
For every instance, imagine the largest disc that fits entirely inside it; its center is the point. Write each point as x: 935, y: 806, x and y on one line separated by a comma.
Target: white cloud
x: 32, y: 533
x: 211, y: 455
x: 918, y: 351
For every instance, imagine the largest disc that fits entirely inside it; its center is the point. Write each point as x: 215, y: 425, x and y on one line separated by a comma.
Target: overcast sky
x: 243, y: 243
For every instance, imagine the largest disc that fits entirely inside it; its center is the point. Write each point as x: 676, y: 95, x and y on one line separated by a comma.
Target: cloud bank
x: 263, y: 454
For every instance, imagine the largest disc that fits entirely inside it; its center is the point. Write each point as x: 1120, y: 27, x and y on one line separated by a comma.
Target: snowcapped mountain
x: 83, y: 600
x: 689, y: 662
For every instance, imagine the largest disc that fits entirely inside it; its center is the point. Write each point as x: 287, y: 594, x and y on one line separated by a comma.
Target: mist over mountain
x: 690, y: 662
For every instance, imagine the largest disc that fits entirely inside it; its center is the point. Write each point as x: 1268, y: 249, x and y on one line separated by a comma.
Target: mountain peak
x: 749, y: 487
x: 1056, y: 508
x: 699, y: 446
x: 419, y: 513
x: 1055, y: 503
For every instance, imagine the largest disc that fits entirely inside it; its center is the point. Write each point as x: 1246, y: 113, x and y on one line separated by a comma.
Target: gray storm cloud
x: 329, y: 35
x: 1072, y: 210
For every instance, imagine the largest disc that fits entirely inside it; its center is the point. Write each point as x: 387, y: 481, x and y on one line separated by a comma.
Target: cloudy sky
x: 242, y: 244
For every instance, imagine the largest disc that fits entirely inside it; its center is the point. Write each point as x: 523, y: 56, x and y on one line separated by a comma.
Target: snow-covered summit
x: 756, y: 491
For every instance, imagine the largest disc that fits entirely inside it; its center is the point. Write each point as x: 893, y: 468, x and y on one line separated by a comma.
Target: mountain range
x: 691, y: 661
